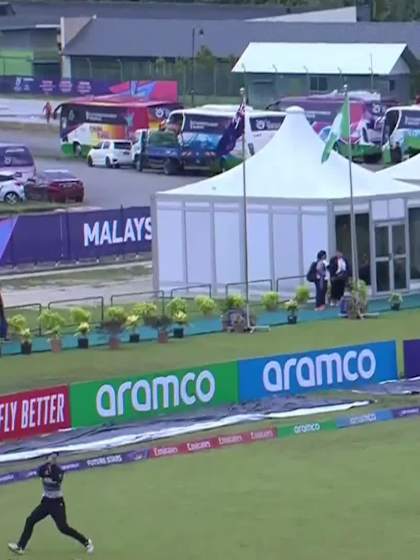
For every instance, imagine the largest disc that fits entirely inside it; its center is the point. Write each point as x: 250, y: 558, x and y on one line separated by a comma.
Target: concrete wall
x: 266, y: 88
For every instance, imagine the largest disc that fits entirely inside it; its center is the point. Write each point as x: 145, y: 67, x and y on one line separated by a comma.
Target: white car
x: 111, y: 153
x: 11, y: 191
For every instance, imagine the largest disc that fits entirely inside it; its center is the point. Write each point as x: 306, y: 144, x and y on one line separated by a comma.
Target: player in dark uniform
x: 52, y: 504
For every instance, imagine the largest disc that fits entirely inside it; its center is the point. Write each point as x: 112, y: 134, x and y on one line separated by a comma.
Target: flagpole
x: 245, y: 213
x: 353, y: 233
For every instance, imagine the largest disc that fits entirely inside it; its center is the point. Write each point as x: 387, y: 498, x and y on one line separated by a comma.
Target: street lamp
x: 308, y: 84
x: 193, y: 49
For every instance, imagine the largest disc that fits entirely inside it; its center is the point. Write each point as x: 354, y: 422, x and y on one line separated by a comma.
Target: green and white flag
x: 340, y: 129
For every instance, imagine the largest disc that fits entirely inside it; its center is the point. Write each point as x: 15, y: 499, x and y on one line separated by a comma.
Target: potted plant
x: 181, y: 319
x: 230, y: 307
x: 81, y: 317
x: 82, y: 332
x: 115, y: 320
x: 145, y: 310
x: 358, y: 301
x: 19, y: 329
x: 291, y: 307
x: 302, y: 294
x: 26, y: 341
x: 132, y: 324
x: 271, y: 301
x: 175, y: 306
x: 161, y: 323
x: 206, y: 305
x: 52, y: 323
x: 395, y: 301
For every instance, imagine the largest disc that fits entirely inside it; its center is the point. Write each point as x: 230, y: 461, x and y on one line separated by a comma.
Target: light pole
x: 242, y: 91
x: 193, y: 49
x: 372, y: 76
x: 353, y: 229
x: 308, y: 85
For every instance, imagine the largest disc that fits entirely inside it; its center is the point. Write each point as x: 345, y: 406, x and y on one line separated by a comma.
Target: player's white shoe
x: 15, y: 548
x: 89, y: 547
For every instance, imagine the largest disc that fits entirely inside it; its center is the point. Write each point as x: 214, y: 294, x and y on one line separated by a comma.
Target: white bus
x: 201, y: 128
x: 401, y: 127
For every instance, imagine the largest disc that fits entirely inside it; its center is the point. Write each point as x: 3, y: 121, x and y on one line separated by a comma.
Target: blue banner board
x: 335, y: 368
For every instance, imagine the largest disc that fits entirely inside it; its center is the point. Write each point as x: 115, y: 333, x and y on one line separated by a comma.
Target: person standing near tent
x: 339, y: 274
x: 317, y: 274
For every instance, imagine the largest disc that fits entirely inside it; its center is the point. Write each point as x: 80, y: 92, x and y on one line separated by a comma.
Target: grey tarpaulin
x: 108, y: 437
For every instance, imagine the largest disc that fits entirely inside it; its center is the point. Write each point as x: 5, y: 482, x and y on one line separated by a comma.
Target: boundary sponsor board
x: 368, y: 418
x: 335, y: 368
x: 33, y: 413
x: 218, y: 442
x: 156, y: 394
x: 212, y: 443
x: 306, y: 428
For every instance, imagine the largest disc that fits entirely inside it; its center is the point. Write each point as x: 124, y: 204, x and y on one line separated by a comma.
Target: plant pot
x: 83, y: 343
x: 134, y: 338
x: 26, y: 348
x: 56, y: 345
x: 163, y: 337
x: 114, y: 342
x: 395, y: 306
x: 291, y: 319
x: 178, y: 332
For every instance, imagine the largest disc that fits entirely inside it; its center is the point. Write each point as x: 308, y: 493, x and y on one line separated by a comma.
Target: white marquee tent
x: 292, y: 202
x: 408, y: 171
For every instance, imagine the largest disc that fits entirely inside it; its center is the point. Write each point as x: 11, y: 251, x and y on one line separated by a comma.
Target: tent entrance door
x: 391, y: 258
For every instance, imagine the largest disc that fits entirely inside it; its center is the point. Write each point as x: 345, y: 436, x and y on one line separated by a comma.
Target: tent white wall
x: 292, y: 200
x: 408, y: 171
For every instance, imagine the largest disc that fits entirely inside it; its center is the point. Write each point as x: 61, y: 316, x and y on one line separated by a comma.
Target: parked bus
x: 200, y: 129
x: 85, y: 123
x: 367, y: 112
x: 401, y: 129
x: 16, y: 160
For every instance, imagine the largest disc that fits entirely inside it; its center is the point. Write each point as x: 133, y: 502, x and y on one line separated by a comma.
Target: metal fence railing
x: 131, y: 298
x: 96, y: 305
x: 255, y: 286
x: 184, y: 291
x: 31, y: 312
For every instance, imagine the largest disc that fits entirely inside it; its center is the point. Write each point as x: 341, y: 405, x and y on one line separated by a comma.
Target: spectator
x: 364, y: 273
x: 47, y: 110
x: 318, y: 275
x: 3, y: 322
x: 339, y: 274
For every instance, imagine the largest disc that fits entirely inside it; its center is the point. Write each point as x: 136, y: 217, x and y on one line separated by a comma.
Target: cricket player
x: 52, y: 504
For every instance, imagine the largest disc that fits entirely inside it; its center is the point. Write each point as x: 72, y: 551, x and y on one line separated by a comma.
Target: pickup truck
x: 162, y: 151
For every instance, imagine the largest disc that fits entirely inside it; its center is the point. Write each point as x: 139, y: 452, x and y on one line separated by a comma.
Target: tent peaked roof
x: 408, y: 170
x: 289, y: 167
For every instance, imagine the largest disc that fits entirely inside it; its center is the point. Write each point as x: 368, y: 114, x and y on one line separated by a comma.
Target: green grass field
x: 350, y: 494
x: 38, y: 370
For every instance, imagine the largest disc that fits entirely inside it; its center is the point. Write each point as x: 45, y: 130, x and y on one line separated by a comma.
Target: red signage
x: 34, y: 412
x: 212, y: 443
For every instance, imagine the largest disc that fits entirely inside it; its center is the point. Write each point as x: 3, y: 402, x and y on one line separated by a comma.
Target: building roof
x: 282, y: 170
x: 146, y: 10
x: 163, y: 38
x: 323, y: 58
x: 347, y: 14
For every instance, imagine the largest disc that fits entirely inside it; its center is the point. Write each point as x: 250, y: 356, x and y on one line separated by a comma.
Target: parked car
x: 11, y: 190
x: 16, y: 160
x: 111, y: 153
x: 55, y: 185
